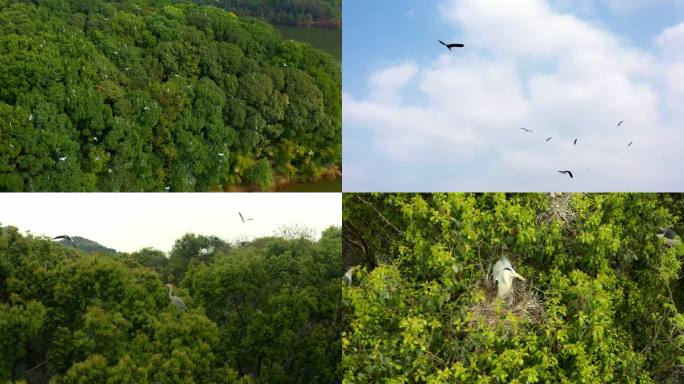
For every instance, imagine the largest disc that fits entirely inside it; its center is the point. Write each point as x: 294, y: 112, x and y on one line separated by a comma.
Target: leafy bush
x: 610, y: 290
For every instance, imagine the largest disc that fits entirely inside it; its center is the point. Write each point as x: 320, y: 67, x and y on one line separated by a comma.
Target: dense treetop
x: 604, y: 300
x: 265, y: 311
x: 148, y: 96
x: 305, y: 13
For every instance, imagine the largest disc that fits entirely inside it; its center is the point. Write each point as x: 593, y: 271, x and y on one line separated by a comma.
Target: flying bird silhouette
x: 526, y: 130
x: 451, y: 45
x: 549, y: 138
x: 574, y: 142
x: 620, y: 123
x: 67, y: 238
x: 630, y: 144
x: 243, y: 219
x: 566, y: 172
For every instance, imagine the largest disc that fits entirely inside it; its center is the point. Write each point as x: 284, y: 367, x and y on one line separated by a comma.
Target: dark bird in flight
x: 566, y: 172
x: 549, y: 138
x: 67, y: 238
x: 620, y: 123
x: 243, y: 219
x: 451, y: 45
x: 526, y: 130
x: 574, y: 142
x: 630, y: 144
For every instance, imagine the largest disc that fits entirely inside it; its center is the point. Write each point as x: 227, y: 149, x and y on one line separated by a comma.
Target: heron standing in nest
x: 504, y: 274
x: 175, y: 300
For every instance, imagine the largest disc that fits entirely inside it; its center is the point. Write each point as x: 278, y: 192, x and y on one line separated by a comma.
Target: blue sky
x: 420, y: 118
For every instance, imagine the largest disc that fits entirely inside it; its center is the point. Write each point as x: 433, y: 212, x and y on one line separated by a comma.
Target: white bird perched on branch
x: 504, y: 273
x: 348, y: 276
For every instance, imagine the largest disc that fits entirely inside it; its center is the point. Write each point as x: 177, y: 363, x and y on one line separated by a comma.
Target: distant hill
x: 87, y: 245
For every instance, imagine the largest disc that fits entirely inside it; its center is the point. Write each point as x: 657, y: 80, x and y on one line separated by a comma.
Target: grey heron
x: 504, y: 273
x: 175, y: 299
x: 668, y: 236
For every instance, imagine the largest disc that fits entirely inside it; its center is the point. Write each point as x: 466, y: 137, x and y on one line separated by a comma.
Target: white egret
x: 348, y: 276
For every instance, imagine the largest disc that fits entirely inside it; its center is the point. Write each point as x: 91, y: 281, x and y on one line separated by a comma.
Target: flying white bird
x: 63, y: 158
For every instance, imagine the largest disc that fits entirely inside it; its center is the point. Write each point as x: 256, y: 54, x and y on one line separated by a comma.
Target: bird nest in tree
x: 560, y: 209
x: 527, y: 304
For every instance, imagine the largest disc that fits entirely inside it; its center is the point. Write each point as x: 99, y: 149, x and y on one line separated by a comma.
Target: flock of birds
x: 562, y: 172
x: 574, y: 142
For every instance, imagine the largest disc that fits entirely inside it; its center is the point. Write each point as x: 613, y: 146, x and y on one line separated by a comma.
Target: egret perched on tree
x: 348, y: 276
x: 504, y: 273
x: 175, y: 299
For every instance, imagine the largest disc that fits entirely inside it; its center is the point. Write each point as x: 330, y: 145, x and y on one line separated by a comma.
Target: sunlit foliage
x: 611, y: 293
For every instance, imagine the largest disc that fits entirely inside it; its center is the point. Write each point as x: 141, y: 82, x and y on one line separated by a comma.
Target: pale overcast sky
x: 418, y: 117
x: 130, y: 222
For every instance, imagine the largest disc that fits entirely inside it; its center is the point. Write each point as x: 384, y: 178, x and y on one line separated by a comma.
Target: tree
x: 101, y: 96
x: 597, y: 309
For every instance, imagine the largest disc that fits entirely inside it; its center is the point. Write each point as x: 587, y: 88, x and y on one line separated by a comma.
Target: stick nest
x: 560, y: 209
x: 527, y: 304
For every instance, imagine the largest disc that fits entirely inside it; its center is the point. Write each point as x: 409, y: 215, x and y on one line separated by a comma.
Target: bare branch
x: 379, y: 214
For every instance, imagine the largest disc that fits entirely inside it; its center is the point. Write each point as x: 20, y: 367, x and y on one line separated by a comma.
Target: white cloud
x: 671, y: 42
x: 386, y: 83
x: 671, y: 45
x: 626, y: 6
x: 526, y: 65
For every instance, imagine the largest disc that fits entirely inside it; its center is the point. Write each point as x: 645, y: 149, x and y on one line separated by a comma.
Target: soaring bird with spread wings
x: 566, y: 173
x: 451, y: 45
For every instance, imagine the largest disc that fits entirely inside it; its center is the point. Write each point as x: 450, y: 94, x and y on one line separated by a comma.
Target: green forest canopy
x: 148, y: 96
x: 304, y: 13
x: 610, y: 294
x: 264, y: 311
